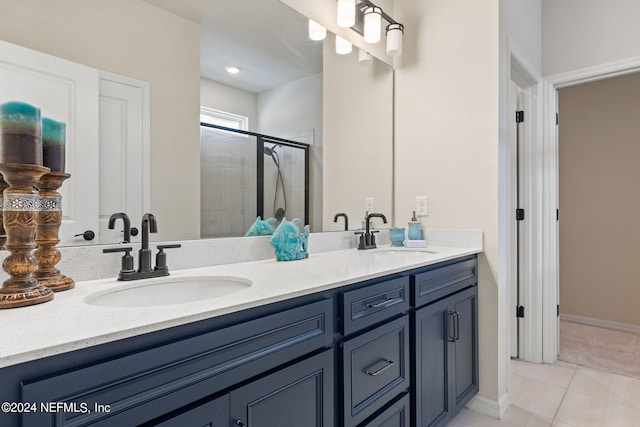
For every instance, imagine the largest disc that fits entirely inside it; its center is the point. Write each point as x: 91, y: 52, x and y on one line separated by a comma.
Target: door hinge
x: 519, y: 214
x: 520, y: 311
x: 558, y: 310
x: 557, y: 214
x: 519, y: 116
x: 557, y: 119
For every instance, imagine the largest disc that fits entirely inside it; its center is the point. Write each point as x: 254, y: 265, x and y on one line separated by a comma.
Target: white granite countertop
x: 68, y: 323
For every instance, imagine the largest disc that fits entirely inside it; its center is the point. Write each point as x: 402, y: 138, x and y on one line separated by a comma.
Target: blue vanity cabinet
x: 446, y: 347
x: 214, y: 413
x: 396, y: 415
x: 299, y: 395
x: 375, y: 353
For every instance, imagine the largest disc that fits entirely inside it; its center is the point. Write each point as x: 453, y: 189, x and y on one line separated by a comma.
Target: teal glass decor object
x: 20, y: 133
x: 54, y: 135
x: 290, y: 243
x: 397, y: 236
x: 261, y: 227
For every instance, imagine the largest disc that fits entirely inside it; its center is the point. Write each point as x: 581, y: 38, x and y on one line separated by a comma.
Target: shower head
x: 273, y: 153
x: 267, y: 151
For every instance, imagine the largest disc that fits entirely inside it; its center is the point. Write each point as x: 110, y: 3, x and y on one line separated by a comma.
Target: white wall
x: 521, y: 25
x: 292, y: 111
x: 582, y: 33
x: 133, y: 38
x: 446, y: 138
x: 229, y: 99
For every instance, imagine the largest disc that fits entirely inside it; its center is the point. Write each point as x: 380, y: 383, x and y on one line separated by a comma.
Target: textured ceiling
x: 265, y: 38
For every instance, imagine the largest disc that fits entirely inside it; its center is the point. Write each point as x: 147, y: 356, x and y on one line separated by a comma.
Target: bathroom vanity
x: 345, y: 338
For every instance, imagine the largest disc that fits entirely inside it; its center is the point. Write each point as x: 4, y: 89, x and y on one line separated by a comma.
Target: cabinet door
x: 214, y: 413
x: 434, y: 330
x: 299, y: 395
x: 465, y: 349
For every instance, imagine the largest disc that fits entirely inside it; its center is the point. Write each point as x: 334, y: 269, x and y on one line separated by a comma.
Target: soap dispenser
x: 415, y: 230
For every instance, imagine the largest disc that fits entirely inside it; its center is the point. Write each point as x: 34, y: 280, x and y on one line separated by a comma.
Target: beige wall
x: 358, y: 137
x: 599, y: 149
x: 446, y: 138
x: 583, y: 33
x: 221, y: 97
x: 133, y: 38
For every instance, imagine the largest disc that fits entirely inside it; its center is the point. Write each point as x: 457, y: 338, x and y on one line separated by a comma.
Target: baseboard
x: 492, y: 408
x: 601, y: 323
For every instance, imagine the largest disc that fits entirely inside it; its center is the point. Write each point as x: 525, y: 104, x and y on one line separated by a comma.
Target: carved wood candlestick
x: 19, y: 216
x: 3, y: 234
x: 49, y: 220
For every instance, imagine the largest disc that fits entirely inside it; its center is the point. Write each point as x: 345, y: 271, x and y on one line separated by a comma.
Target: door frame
x: 550, y: 170
x: 525, y: 76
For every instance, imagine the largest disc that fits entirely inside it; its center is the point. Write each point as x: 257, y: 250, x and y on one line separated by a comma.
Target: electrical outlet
x: 369, y: 204
x: 421, y: 206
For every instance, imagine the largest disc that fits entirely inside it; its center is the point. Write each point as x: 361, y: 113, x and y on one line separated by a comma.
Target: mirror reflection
x: 340, y: 108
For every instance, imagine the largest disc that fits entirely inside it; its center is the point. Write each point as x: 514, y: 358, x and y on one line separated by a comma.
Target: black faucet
x: 145, y: 270
x: 125, y: 221
x: 346, y: 219
x: 368, y: 239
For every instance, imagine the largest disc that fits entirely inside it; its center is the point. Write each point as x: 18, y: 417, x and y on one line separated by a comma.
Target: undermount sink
x: 401, y: 250
x: 168, y: 291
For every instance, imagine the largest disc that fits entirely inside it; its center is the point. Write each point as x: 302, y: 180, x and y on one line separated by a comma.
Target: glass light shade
x: 364, y: 57
x: 346, y: 13
x: 316, y: 31
x: 372, y: 24
x: 394, y: 39
x: 343, y: 47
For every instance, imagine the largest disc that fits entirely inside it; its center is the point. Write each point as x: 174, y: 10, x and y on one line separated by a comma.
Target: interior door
x: 67, y: 92
x: 124, y: 154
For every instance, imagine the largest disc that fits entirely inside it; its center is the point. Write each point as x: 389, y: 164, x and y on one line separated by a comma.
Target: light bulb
x: 372, y: 24
x: 346, y: 13
x: 364, y: 57
x: 316, y: 31
x: 343, y: 47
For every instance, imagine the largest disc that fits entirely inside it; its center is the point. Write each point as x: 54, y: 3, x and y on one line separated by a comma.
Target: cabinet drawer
x: 374, y: 303
x: 442, y: 281
x: 142, y: 386
x: 396, y: 415
x: 375, y: 368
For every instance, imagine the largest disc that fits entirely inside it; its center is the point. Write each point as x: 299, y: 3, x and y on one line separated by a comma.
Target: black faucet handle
x: 127, y: 259
x: 161, y: 257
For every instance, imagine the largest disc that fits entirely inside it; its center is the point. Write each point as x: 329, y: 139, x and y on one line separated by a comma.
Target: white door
x: 124, y: 153
x: 67, y: 92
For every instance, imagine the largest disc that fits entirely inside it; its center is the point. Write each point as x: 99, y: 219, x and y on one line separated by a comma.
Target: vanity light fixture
x: 372, y: 24
x: 343, y: 47
x: 395, y: 32
x: 316, y: 31
x: 232, y: 69
x: 346, y: 13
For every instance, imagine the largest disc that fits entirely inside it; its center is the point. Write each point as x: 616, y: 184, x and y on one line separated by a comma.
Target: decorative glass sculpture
x: 290, y: 243
x: 261, y: 228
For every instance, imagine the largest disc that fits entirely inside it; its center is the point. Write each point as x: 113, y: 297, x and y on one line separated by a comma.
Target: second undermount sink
x: 168, y: 291
x: 401, y: 250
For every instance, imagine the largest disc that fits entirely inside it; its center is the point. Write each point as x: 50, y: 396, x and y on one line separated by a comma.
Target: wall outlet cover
x: 421, y: 206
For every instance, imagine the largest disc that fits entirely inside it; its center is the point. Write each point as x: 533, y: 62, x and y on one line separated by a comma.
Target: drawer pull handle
x: 240, y: 423
x: 389, y: 363
x: 384, y: 303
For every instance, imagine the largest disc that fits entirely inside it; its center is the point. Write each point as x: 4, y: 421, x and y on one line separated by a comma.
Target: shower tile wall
x: 228, y: 183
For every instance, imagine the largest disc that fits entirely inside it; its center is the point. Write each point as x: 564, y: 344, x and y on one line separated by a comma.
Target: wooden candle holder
x: 49, y: 220
x: 19, y: 216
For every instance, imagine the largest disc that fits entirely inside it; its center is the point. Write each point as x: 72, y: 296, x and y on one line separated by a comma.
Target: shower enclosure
x: 244, y: 175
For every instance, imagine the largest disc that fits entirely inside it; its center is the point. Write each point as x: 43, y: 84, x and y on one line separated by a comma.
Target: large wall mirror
x: 341, y: 107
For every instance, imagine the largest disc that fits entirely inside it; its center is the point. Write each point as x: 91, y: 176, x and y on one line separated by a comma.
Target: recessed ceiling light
x: 232, y: 70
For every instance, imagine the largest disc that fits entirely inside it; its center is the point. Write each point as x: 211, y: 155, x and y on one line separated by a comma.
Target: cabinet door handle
x: 384, y: 303
x: 240, y: 423
x: 457, y: 317
x: 451, y: 326
x: 388, y: 364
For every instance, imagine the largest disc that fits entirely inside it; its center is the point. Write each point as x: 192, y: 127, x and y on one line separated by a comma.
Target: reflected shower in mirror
x: 239, y: 185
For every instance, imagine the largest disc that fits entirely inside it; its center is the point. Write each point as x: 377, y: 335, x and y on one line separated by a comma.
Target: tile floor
x: 564, y: 395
